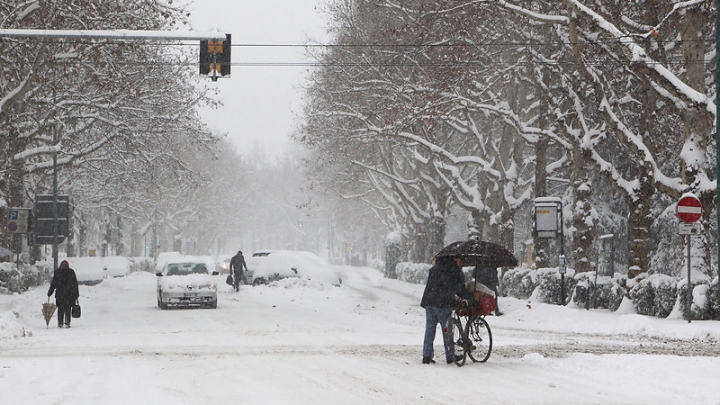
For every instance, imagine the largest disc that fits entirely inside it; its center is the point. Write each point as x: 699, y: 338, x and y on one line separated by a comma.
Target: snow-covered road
x: 301, y: 343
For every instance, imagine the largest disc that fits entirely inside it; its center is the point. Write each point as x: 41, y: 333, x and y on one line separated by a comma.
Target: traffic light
x: 215, y: 58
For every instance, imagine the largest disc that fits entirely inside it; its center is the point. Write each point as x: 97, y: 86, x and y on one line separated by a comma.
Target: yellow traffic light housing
x: 215, y: 58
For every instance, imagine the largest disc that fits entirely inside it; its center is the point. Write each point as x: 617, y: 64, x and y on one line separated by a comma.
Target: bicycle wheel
x: 480, y: 339
x: 457, y: 337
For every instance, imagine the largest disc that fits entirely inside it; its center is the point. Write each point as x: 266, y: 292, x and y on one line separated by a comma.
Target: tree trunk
x: 697, y: 124
x: 541, y: 246
x: 475, y: 224
x: 583, y: 218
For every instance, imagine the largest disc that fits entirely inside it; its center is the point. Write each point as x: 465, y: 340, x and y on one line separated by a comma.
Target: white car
x: 253, y: 262
x: 116, y: 266
x: 222, y: 264
x: 283, y: 264
x: 186, y: 282
x: 89, y: 270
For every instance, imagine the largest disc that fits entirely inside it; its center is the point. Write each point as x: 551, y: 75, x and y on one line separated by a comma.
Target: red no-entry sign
x: 689, y: 208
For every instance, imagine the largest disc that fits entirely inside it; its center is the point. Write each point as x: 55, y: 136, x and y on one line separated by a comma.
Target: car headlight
x: 207, y: 287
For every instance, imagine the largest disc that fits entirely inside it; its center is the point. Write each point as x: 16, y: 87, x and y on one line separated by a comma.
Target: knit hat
x: 64, y: 264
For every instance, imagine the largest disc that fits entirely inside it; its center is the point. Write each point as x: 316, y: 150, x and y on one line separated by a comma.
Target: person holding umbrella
x: 65, y: 286
x: 445, y: 286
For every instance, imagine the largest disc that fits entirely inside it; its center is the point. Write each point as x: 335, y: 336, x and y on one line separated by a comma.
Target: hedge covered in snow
x: 18, y: 279
x: 412, y: 272
x: 656, y: 295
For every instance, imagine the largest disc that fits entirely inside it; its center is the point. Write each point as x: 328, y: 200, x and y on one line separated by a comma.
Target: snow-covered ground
x: 296, y: 342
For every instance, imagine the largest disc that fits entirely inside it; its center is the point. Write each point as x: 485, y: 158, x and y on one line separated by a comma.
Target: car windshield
x: 181, y: 269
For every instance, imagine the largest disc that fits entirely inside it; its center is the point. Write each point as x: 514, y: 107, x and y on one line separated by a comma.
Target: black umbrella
x: 479, y: 253
x: 48, y: 309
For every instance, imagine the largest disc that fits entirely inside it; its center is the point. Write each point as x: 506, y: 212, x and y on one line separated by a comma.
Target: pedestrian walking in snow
x: 65, y: 286
x: 237, y: 263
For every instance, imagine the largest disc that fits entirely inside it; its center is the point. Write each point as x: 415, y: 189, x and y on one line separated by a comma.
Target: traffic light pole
x: 114, y: 34
x: 54, y: 203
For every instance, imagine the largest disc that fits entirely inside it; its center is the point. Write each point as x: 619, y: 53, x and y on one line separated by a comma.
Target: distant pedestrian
x: 237, y: 263
x: 65, y: 286
x: 489, y: 277
x: 445, y: 284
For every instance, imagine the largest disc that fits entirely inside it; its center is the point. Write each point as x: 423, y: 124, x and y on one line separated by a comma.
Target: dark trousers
x: 237, y: 279
x: 63, y: 314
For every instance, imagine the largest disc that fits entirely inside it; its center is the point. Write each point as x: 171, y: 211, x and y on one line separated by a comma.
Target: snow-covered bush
x: 412, y: 272
x: 617, y: 292
x: 714, y: 299
x: 518, y: 283
x: 393, y: 253
x: 654, y: 295
x: 549, y: 289
x: 597, y: 293
x: 704, y: 299
x: 376, y: 264
x: 14, y: 279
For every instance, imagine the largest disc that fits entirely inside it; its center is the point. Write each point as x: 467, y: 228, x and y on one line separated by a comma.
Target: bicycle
x: 474, y: 339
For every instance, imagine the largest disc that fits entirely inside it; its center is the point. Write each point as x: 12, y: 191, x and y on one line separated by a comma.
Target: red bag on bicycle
x: 484, y: 304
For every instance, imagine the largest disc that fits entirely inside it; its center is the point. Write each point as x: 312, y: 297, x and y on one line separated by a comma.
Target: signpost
x: 18, y: 220
x: 689, y: 210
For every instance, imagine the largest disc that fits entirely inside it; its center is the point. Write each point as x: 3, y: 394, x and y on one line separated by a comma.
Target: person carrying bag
x: 65, y: 286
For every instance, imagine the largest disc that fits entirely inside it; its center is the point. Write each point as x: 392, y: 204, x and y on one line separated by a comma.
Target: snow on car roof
x: 187, y: 259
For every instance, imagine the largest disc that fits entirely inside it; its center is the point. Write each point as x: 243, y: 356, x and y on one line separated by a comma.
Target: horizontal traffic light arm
x: 114, y: 34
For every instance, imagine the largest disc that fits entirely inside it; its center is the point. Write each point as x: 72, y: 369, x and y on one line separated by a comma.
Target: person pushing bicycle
x: 445, y: 283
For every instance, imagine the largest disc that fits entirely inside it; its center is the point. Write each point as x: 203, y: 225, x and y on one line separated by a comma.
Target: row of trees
x: 143, y: 172
x: 120, y: 117
x: 423, y: 107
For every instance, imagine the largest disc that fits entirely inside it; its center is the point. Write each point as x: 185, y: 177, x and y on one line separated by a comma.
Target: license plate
x: 190, y: 295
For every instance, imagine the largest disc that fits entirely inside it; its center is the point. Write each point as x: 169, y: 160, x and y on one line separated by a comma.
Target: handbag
x: 76, y: 311
x: 229, y: 280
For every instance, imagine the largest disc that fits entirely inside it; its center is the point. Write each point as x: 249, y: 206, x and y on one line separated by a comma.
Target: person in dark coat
x: 488, y: 275
x: 445, y: 284
x: 65, y: 286
x: 237, y: 263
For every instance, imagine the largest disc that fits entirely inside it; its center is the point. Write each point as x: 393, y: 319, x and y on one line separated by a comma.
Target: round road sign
x: 689, y: 208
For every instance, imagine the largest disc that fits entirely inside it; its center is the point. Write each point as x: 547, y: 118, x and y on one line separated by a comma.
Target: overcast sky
x: 260, y: 102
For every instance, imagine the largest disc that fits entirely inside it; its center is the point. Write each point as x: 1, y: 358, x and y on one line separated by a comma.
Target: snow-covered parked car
x: 89, y: 270
x: 186, y: 282
x: 283, y: 264
x: 253, y: 262
x: 116, y: 266
x: 222, y: 264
